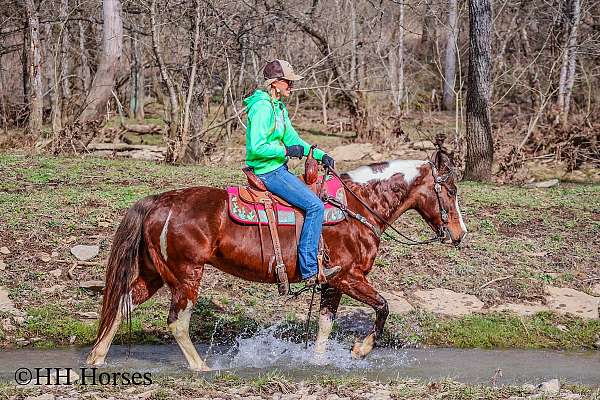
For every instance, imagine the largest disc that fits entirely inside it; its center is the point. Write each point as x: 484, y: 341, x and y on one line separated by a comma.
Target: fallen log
x: 125, y: 147
x: 142, y: 129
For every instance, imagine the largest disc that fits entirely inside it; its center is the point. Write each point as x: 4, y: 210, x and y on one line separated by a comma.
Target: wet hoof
x: 201, y: 368
x: 95, y: 361
x: 357, y: 351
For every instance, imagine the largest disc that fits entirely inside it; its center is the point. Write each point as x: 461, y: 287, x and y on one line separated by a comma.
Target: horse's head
x: 436, y: 199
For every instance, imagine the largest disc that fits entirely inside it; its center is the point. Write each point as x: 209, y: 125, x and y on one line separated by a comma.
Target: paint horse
x: 168, y: 238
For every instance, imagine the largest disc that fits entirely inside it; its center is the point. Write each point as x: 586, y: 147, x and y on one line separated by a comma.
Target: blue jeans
x: 289, y: 187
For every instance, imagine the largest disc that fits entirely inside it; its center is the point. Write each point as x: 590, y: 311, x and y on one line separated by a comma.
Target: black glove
x: 294, y: 151
x: 328, y: 161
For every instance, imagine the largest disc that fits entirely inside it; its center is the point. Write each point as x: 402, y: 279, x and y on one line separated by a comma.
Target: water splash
x: 269, y: 348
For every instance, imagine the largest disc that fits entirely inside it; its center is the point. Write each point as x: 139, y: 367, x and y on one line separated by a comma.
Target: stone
x: 45, y: 257
x: 87, y: 314
x: 2, y: 265
x: 85, y: 252
x: 423, y: 145
x: 447, y: 302
x: 92, y: 286
x: 52, y: 289
x: 562, y: 328
x: 549, y: 387
x: 528, y: 388
x: 571, y: 301
x: 523, y: 309
x: 56, y: 272
x: 4, y: 250
x: 595, y: 289
x: 543, y: 184
x: 352, y: 152
x: 397, y: 303
x: 7, y: 326
x: 7, y: 305
x: 45, y: 396
x: 103, y: 224
x: 54, y: 254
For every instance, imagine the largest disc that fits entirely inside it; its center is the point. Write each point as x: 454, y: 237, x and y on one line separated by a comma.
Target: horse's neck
x: 379, y: 196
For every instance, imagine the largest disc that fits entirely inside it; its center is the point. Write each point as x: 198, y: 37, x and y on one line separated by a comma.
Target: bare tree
x: 569, y: 57
x: 36, y: 97
x: 480, y: 149
x: 136, y: 102
x: 448, y: 102
x: 112, y: 49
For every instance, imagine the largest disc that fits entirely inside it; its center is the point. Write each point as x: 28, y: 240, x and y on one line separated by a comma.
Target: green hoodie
x: 265, y: 139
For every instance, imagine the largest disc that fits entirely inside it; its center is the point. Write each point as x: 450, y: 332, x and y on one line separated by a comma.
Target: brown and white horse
x: 168, y: 238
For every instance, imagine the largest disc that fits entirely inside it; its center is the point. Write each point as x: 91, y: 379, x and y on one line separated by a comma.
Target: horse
x: 168, y: 239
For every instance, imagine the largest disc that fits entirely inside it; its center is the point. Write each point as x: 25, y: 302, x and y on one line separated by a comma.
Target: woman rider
x: 270, y: 141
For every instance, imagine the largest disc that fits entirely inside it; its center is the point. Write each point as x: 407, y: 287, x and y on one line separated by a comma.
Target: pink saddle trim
x: 253, y: 214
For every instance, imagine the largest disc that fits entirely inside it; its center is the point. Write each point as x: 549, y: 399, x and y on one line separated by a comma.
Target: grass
x: 536, y: 236
x: 274, y: 385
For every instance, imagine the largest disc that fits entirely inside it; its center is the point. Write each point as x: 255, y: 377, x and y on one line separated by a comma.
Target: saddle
x: 254, y: 205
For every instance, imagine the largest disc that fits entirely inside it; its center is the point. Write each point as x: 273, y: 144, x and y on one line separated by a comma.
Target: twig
x: 494, y: 281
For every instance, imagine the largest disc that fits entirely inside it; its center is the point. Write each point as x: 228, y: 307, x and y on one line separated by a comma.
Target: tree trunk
x: 354, y: 44
x: 429, y: 32
x: 136, y: 103
x: 84, y: 68
x: 399, y: 64
x: 569, y: 61
x: 448, y: 102
x: 480, y: 150
x: 36, y: 98
x: 112, y: 49
x: 65, y: 51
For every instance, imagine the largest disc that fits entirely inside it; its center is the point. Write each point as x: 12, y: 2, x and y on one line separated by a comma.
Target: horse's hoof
x: 95, y: 361
x: 357, y: 352
x: 203, y: 368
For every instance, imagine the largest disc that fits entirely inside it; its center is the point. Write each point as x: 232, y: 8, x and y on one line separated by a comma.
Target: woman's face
x: 285, y: 87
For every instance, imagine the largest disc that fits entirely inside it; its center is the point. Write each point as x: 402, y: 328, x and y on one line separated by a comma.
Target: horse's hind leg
x: 330, y: 300
x: 142, y: 289
x: 182, y: 303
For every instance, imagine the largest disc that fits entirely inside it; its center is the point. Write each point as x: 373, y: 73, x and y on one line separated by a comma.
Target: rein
x: 439, y: 180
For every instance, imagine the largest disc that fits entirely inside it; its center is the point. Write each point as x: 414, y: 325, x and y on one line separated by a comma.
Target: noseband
x: 442, y: 232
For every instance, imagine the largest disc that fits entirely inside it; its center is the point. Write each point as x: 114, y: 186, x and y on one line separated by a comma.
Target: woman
x: 270, y: 141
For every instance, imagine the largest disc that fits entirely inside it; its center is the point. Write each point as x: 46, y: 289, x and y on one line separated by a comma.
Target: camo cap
x: 279, y: 69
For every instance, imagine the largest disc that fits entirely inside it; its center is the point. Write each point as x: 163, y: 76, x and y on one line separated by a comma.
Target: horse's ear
x: 442, y: 158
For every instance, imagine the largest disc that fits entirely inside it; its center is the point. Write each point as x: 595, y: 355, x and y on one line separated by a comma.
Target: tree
x: 572, y: 11
x: 480, y: 150
x: 36, y: 95
x: 450, y: 57
x: 112, y: 49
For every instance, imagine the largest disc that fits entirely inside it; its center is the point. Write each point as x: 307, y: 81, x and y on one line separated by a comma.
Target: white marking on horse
x: 163, y: 237
x: 460, y: 218
x: 408, y: 168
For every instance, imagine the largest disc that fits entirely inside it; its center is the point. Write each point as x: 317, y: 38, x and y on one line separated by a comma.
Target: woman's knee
x: 316, y: 207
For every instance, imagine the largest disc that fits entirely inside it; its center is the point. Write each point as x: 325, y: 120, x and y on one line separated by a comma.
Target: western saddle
x: 256, y: 192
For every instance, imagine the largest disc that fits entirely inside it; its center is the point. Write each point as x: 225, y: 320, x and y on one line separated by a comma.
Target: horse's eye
x: 452, y: 192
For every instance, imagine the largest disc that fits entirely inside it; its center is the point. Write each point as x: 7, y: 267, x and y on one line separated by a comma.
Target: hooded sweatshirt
x: 268, y: 131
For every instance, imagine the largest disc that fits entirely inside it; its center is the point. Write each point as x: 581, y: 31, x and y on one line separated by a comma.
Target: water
x: 267, y: 351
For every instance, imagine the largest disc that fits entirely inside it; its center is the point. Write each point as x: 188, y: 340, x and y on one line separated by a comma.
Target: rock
x: 22, y: 342
x: 52, y: 289
x: 7, y: 326
x: 524, y: 309
x: 45, y: 257
x: 54, y: 254
x: 549, y: 387
x: 423, y: 145
x: 2, y: 265
x: 447, y: 302
x: 571, y: 301
x: 45, y: 396
x: 595, y: 289
x: 72, y: 339
x: 397, y: 303
x: 528, y: 388
x: 85, y: 252
x: 352, y: 152
x: 4, y: 250
x: 562, y: 328
x: 56, y: 272
x: 103, y: 224
x: 543, y: 185
x: 88, y: 314
x: 570, y: 396
x: 92, y: 286
x: 7, y: 305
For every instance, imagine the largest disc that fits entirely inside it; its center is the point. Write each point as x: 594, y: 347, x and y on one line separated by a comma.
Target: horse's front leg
x: 330, y: 300
x: 356, y: 286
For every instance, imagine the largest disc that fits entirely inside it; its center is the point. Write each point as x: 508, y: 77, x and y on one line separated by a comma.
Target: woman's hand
x: 328, y: 161
x: 294, y: 151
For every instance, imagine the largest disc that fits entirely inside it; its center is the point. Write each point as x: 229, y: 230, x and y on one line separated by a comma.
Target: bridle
x: 442, y: 233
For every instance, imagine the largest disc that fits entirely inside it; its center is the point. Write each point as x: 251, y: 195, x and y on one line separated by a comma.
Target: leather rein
x: 439, y: 180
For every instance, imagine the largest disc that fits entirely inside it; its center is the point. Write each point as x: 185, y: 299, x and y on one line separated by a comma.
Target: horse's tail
x: 123, y: 266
